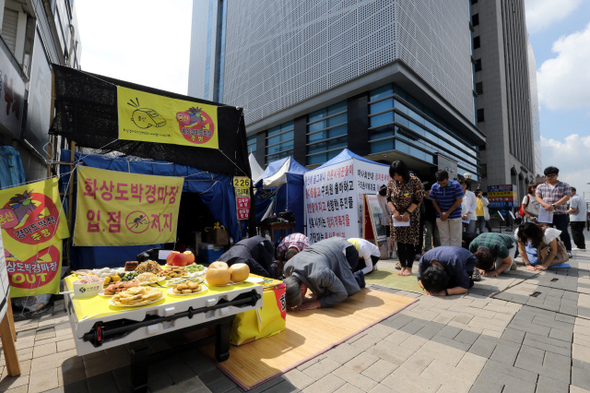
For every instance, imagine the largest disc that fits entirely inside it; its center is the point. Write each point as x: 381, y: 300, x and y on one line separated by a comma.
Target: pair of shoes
x: 476, y: 276
x: 398, y: 266
x: 569, y: 254
x: 578, y: 249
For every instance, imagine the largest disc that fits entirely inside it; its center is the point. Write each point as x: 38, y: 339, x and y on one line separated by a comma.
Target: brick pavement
x: 496, y: 338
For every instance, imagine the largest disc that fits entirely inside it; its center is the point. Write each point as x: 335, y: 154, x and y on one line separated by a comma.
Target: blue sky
x: 148, y: 42
x: 559, y: 31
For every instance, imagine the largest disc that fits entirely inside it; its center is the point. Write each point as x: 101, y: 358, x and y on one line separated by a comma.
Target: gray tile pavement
x: 523, y: 331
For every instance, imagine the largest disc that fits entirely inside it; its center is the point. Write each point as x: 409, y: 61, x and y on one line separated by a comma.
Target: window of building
x: 477, y: 65
x: 327, y: 133
x: 479, y: 87
x: 476, y: 42
x: 480, y: 116
x: 475, y: 19
x: 252, y: 144
x: 279, y: 142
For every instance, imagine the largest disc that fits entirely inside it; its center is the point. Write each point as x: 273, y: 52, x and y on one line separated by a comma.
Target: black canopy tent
x: 86, y: 113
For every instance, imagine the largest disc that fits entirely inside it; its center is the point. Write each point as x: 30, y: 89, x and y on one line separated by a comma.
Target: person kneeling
x: 328, y: 269
x: 446, y: 270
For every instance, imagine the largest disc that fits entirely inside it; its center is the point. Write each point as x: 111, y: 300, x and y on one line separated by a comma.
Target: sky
x: 148, y: 42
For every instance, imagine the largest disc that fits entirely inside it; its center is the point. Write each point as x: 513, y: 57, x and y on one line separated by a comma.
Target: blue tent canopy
x: 282, y: 184
x: 346, y: 155
x: 215, y: 190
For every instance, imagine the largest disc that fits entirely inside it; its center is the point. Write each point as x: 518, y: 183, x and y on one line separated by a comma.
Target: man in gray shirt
x: 328, y: 269
x: 577, y: 212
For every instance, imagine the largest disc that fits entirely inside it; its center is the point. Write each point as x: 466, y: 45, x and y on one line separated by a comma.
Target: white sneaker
x: 578, y: 249
x: 569, y: 254
x: 393, y: 255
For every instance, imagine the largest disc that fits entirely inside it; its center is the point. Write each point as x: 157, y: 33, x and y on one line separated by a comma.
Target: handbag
x: 522, y: 213
x: 545, y: 249
x: 217, y: 235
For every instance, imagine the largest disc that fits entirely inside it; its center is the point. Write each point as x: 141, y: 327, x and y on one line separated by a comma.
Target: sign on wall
x: 119, y: 209
x: 148, y: 117
x: 242, y: 190
x: 33, y: 227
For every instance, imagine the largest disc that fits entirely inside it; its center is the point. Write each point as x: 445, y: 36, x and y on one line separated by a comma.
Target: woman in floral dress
x: 404, y: 196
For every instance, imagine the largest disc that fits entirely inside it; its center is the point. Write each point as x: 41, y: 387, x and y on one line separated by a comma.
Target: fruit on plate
x: 239, y: 272
x: 218, y: 273
x: 176, y: 258
x: 190, y: 257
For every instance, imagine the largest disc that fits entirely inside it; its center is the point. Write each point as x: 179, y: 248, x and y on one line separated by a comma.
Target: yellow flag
x: 33, y: 226
x: 121, y: 209
x: 147, y: 117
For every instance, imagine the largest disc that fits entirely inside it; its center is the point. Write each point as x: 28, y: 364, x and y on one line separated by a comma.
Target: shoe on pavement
x: 476, y: 276
x: 394, y: 255
x: 569, y: 254
x: 513, y: 266
x: 578, y: 249
x: 398, y: 266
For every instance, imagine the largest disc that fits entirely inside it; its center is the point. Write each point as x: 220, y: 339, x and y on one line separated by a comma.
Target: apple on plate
x: 190, y: 257
x: 176, y: 258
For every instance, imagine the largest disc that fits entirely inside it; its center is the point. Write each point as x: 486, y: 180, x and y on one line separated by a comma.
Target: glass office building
x: 386, y: 79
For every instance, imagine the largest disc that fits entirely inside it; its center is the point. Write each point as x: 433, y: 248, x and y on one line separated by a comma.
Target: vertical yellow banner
x: 147, y: 117
x: 121, y: 209
x: 33, y: 226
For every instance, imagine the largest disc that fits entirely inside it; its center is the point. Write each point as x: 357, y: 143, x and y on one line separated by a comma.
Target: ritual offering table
x: 100, y: 322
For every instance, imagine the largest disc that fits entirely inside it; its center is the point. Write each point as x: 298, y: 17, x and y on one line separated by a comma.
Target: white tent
x: 255, y: 167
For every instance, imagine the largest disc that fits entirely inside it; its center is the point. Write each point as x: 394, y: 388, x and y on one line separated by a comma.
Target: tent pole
x: 252, y: 219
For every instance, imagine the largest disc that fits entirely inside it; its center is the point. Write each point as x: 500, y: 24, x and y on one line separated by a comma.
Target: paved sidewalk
x: 521, y: 332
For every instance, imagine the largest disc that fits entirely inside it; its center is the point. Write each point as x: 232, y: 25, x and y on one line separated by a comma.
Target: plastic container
x: 209, y: 252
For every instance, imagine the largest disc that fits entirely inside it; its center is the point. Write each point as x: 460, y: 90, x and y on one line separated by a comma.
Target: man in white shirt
x: 577, y: 212
x: 468, y: 208
x: 369, y: 254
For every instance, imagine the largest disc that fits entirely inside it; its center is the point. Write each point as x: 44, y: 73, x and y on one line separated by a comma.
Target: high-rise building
x: 34, y: 35
x: 387, y: 79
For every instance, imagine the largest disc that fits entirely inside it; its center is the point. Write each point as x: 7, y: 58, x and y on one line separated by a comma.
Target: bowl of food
x: 88, y: 285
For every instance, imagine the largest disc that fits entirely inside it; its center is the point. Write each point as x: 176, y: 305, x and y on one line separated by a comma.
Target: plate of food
x: 136, y: 297
x: 224, y: 285
x: 255, y: 280
x: 174, y: 272
x: 149, y: 278
x: 187, y: 288
x: 118, y: 286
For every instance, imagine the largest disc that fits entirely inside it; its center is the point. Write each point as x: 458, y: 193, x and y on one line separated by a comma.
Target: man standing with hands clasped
x: 446, y: 196
x: 553, y: 196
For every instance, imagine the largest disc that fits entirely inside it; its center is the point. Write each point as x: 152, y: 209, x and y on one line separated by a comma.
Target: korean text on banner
x: 242, y: 189
x: 147, y: 117
x: 120, y: 209
x: 33, y: 225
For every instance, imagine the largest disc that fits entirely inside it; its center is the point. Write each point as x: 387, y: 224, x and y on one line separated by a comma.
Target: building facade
x: 387, y: 79
x: 35, y: 34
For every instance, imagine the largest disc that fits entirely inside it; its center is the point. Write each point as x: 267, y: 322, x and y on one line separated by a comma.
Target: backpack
x: 521, y: 210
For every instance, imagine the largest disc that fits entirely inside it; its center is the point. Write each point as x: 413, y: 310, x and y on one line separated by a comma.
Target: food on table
x: 120, y: 286
x: 89, y: 278
x: 130, y: 276
x: 187, y: 287
x: 176, y: 258
x: 190, y: 257
x: 131, y: 266
x: 149, y: 267
x: 148, y: 278
x: 218, y: 273
x: 195, y: 268
x: 175, y: 272
x: 239, y: 272
x: 113, y: 278
x: 137, y: 296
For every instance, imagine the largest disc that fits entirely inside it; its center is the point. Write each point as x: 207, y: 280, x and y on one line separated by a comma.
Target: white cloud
x: 141, y: 41
x: 540, y: 14
x: 563, y: 81
x: 571, y: 157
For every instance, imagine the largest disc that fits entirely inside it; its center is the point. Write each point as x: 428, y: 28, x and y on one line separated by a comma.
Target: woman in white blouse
x: 532, y: 238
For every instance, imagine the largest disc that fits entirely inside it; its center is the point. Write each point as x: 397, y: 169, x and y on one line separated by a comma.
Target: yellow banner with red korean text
x: 122, y: 209
x: 33, y: 227
x: 148, y: 117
